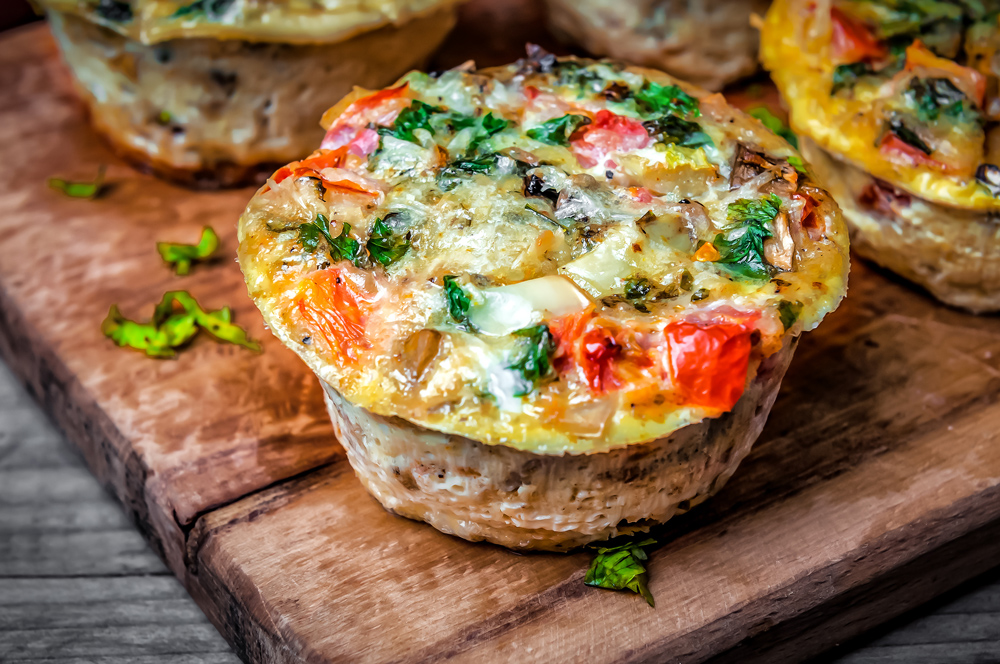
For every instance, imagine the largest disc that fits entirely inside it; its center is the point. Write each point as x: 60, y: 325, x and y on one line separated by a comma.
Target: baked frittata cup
x: 218, y: 93
x: 898, y: 106
x: 710, y: 43
x: 551, y: 302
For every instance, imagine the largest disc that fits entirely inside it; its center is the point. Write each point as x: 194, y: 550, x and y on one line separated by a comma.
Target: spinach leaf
x: 342, y: 247
x: 384, y: 245
x: 532, y: 362
x: 654, y: 98
x: 672, y: 129
x: 558, y: 130
x: 932, y: 97
x: 415, y: 116
x: 458, y: 301
x: 789, y: 312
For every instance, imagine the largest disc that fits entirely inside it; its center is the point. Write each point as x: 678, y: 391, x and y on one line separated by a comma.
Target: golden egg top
x: 559, y: 255
x: 905, y: 89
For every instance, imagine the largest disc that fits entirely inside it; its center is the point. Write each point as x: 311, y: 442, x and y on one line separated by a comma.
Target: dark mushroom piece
x: 988, y: 175
x: 750, y: 164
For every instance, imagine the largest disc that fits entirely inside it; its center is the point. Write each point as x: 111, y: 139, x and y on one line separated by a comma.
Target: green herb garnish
x: 773, y: 123
x: 932, y: 97
x: 789, y: 312
x: 415, y: 116
x: 741, y: 248
x: 484, y: 127
x: 176, y: 320
x: 386, y: 246
x: 458, y: 301
x: 180, y: 256
x: 558, y: 130
x: 493, y: 164
x: 532, y: 362
x: 846, y: 76
x: 795, y: 161
x: 342, y: 247
x: 621, y: 568
x: 654, y: 98
x: 212, y: 9
x: 672, y: 129
x: 80, y: 189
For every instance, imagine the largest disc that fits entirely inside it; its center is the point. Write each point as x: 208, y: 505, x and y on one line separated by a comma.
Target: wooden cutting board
x: 873, y: 488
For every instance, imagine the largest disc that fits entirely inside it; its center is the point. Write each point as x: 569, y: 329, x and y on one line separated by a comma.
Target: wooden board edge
x: 81, y: 420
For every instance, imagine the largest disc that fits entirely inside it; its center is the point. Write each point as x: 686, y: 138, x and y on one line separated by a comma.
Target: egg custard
x: 904, y: 91
x: 215, y: 93
x: 550, y: 302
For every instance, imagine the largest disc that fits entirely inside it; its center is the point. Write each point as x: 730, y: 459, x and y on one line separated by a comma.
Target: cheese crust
x: 217, y: 113
x: 558, y: 256
x: 904, y: 91
x: 284, y: 21
x: 710, y: 43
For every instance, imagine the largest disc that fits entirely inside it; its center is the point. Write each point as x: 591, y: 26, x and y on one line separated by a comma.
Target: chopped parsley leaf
x: 741, y: 247
x: 532, y: 363
x: 384, y: 245
x: 558, y: 130
x: 180, y: 256
x: 415, y: 116
x: 932, y: 97
x: 343, y: 247
x: 458, y: 301
x: 176, y: 320
x: 789, y: 312
x: 846, y: 76
x: 621, y: 568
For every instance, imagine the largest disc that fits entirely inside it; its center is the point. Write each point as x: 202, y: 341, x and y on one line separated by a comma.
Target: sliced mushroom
x: 750, y: 164
x: 779, y: 250
x: 418, y: 352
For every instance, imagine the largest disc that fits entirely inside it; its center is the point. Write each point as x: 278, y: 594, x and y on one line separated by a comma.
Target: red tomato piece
x: 852, y: 40
x: 896, y: 149
x: 335, y: 310
x: 608, y: 133
x: 599, y: 350
x: 709, y: 362
x: 808, y: 218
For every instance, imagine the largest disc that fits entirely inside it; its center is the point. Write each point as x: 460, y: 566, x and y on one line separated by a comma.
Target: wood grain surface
x: 79, y: 586
x: 873, y: 488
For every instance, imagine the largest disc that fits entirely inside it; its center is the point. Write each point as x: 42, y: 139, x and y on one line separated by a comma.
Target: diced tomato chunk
x: 709, y: 362
x: 853, y: 41
x: 608, y: 133
x: 896, y: 149
x: 599, y: 351
x: 808, y: 218
x: 335, y: 310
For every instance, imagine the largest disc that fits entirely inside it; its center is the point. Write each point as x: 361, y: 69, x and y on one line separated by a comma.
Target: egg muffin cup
x: 898, y: 113
x: 709, y: 43
x: 550, y: 303
x: 209, y: 101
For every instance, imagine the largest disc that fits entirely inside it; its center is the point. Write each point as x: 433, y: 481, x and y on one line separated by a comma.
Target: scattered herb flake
x: 88, y: 190
x: 558, y: 130
x: 176, y: 320
x: 932, y: 97
x: 211, y: 9
x: 180, y: 256
x: 741, y: 247
x: 846, y: 76
x: 621, y: 568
